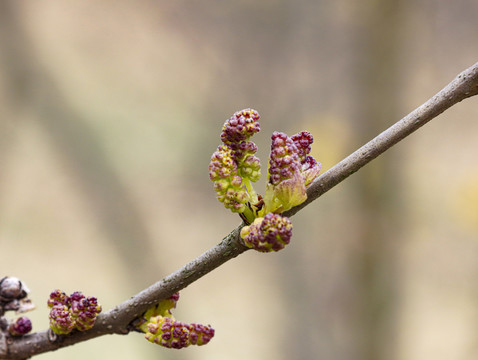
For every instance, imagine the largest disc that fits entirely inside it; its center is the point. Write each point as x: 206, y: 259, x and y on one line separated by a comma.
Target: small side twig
x: 117, y: 320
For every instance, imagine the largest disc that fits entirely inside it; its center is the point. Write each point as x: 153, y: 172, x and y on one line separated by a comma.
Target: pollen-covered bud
x: 167, y: 332
x: 58, y: 297
x: 284, y: 158
x: 271, y: 233
x: 302, y: 141
x: 228, y: 184
x: 222, y: 164
x: 240, y: 126
x: 250, y: 168
x: 200, y: 334
x: 70, y: 312
x: 61, y: 320
x: 84, y: 311
x: 248, y: 164
x: 286, y: 186
x: 20, y: 326
x: 174, y: 334
x: 310, y: 168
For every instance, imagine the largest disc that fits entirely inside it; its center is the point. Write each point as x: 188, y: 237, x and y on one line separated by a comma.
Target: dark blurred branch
x: 118, y: 320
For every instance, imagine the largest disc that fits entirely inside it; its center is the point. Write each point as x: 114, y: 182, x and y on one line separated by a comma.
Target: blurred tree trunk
x: 377, y: 98
x: 31, y: 89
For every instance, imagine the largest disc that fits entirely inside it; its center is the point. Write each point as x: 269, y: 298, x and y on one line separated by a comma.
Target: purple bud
x: 58, y: 297
x: 271, y: 233
x: 20, y: 326
x: 284, y: 159
x: 310, y: 168
x: 74, y: 311
x: 61, y: 321
x: 240, y: 126
x: 303, y: 140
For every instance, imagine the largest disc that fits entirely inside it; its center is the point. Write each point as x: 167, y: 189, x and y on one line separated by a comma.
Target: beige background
x: 110, y: 111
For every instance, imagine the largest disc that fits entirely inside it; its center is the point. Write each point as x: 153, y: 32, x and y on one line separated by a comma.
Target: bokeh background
x: 110, y: 111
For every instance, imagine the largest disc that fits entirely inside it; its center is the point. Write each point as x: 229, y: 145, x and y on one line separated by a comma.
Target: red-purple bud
x: 58, y: 297
x: 61, y: 321
x: 271, y: 233
x: 20, y: 326
x: 240, y: 126
x: 284, y: 158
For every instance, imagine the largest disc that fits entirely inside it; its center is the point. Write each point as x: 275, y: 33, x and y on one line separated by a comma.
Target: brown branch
x: 117, y: 320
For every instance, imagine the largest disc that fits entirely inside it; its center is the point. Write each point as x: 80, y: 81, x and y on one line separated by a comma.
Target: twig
x: 117, y: 320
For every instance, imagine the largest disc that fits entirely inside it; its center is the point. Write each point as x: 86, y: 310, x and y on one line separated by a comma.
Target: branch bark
x: 118, y: 319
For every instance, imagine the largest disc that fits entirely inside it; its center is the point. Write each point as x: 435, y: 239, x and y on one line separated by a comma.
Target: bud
x: 284, y: 158
x: 84, y: 311
x: 240, y: 126
x: 271, y: 233
x: 228, y: 184
x: 58, y: 297
x: 174, y: 334
x: 70, y: 312
x: 167, y: 332
x: 286, y: 185
x: 302, y: 141
x: 20, y: 326
x: 61, y: 321
x: 310, y: 168
x: 248, y: 165
x: 12, y: 288
x: 200, y: 334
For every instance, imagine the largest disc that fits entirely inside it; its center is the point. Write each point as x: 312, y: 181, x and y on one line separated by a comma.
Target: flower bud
x: 84, y: 311
x: 310, y: 168
x: 175, y: 334
x: 200, y: 334
x: 227, y: 183
x: 271, y: 233
x: 12, y: 288
x: 61, y: 321
x: 70, y: 312
x: 240, y: 126
x: 58, y: 297
x: 20, y: 326
x: 302, y: 141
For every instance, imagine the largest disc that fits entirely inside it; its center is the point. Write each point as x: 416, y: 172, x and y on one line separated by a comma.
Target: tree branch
x: 118, y: 320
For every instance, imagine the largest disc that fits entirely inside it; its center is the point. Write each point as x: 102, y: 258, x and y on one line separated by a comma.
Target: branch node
x: 52, y: 337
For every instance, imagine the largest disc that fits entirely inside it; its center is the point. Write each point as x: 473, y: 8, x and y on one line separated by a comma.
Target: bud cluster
x: 291, y: 170
x: 72, y: 312
x: 175, y: 334
x: 270, y: 233
x: 161, y: 328
x: 234, y: 165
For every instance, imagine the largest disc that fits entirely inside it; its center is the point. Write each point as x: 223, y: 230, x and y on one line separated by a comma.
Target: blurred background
x: 110, y: 111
